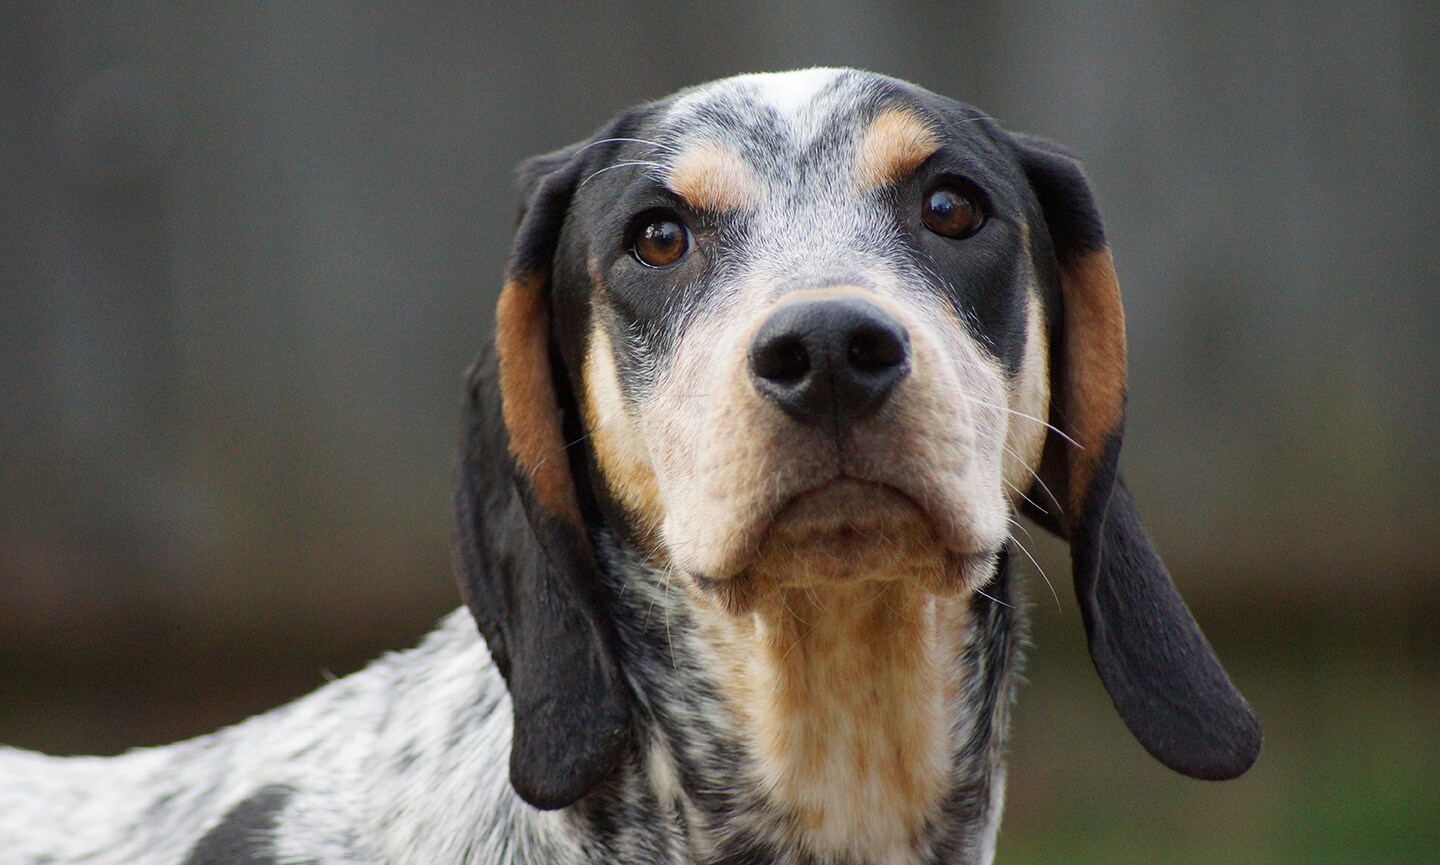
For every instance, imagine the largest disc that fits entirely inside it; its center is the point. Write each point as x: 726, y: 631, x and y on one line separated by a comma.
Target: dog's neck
x: 843, y: 695
x: 858, y: 724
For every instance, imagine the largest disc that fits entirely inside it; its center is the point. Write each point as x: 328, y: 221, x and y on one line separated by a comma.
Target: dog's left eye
x: 659, y: 239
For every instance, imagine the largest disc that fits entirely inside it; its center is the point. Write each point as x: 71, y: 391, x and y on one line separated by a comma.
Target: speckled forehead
x: 734, y: 143
x: 789, y: 107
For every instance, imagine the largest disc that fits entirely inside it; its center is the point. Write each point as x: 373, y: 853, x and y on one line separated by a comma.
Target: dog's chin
x: 846, y: 532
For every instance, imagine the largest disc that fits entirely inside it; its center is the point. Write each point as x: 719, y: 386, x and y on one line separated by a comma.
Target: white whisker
x: 1054, y: 594
x: 992, y: 598
x: 1054, y: 498
x: 619, y: 165
x: 1021, y: 493
x: 1028, y: 417
x: 655, y: 144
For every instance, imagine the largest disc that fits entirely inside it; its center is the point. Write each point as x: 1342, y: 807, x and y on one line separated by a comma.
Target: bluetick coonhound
x: 777, y: 361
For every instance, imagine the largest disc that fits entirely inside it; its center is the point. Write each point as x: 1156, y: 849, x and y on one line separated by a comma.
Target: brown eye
x: 952, y: 212
x: 661, y: 241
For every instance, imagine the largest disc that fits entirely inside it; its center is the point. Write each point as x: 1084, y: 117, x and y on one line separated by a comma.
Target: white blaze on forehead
x: 791, y: 94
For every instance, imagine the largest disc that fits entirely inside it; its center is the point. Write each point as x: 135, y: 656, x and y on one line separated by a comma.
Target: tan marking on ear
x: 620, y: 452
x: 842, y: 693
x: 896, y: 143
x: 527, y: 395
x: 714, y: 177
x: 1094, y: 363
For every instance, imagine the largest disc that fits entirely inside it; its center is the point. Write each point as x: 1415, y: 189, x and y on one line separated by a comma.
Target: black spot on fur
x: 243, y: 835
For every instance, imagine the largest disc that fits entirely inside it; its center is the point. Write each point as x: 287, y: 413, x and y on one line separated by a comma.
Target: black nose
x: 829, y: 361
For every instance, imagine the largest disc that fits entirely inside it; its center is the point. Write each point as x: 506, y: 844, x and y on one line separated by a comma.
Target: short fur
x: 714, y: 630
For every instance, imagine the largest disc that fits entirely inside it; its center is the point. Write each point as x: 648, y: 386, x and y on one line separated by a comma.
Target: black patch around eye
x: 655, y: 300
x: 970, y: 247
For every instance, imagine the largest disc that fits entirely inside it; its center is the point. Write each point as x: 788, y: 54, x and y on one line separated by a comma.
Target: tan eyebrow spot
x: 896, y: 143
x: 714, y: 177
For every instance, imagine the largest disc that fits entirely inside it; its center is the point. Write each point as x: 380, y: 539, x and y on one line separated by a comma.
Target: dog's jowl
x: 778, y: 362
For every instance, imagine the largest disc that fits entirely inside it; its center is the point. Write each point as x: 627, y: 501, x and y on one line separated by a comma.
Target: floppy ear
x: 522, y: 551
x: 1162, y: 674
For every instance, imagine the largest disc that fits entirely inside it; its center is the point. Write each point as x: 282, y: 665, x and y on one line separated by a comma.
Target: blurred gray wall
x: 246, y: 250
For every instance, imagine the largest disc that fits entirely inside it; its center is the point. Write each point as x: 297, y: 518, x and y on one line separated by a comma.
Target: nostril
x: 876, y: 349
x: 783, y: 360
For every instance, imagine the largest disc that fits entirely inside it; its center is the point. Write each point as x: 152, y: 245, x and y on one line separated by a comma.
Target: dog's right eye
x: 950, y: 210
x: 659, y: 239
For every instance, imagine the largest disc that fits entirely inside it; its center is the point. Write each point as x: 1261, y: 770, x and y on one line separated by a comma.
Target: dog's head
x: 803, y: 328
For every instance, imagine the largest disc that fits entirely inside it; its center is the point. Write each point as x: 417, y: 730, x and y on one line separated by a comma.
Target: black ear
x: 522, y: 550
x: 1162, y: 674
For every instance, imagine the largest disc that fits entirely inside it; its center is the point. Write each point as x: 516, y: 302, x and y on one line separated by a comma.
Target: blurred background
x: 246, y: 250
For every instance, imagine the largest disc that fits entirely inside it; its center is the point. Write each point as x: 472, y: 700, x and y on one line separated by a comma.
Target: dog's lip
x: 841, y: 484
x: 841, y: 487
x: 971, y: 559
x: 845, y: 487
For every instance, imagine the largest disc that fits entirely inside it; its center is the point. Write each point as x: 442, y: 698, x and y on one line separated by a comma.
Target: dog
x: 778, y: 360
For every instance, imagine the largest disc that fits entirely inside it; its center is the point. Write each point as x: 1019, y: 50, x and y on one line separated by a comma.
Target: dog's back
x: 316, y: 780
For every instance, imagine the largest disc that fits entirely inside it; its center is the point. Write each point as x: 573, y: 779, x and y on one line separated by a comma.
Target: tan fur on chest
x: 843, y: 692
